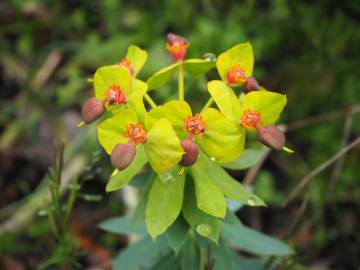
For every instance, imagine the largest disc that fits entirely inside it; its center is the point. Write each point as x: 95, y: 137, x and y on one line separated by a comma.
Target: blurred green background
x: 308, y: 50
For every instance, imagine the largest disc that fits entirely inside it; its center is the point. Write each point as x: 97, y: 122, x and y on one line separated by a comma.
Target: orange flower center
x: 251, y: 119
x: 195, y: 125
x: 126, y: 63
x: 136, y: 133
x: 115, y: 96
x: 236, y: 75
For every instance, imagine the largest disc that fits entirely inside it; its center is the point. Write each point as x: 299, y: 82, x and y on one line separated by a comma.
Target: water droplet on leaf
x: 251, y: 201
x: 165, y: 177
x: 204, y: 229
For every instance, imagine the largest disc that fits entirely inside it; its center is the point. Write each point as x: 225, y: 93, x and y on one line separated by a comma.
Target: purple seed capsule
x: 92, y: 110
x: 272, y: 137
x: 122, y: 155
x: 191, y: 153
x: 250, y: 84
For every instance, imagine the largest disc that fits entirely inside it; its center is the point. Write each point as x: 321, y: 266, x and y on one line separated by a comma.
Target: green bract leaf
x: 163, y: 147
x: 118, y: 179
x: 248, y: 159
x: 112, y: 131
x: 224, y: 258
x: 161, y: 77
x: 137, y: 58
x: 175, y: 111
x: 226, y: 100
x: 164, y: 204
x: 241, y: 54
x: 196, y: 67
x: 208, y: 197
x: 177, y: 234
x: 253, y: 241
x: 188, y: 255
x: 106, y: 76
x: 205, y: 225
x: 228, y: 186
x: 222, y: 140
x: 269, y: 104
x: 136, y: 103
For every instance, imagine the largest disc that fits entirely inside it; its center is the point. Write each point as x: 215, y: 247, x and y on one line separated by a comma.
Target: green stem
x: 208, y: 104
x: 181, y: 81
x: 150, y: 100
x: 81, y: 124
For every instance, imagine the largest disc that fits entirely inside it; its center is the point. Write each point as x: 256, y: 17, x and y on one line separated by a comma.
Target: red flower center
x: 195, y: 125
x: 236, y: 75
x: 251, y: 119
x: 136, y: 133
x: 115, y: 96
x: 126, y: 63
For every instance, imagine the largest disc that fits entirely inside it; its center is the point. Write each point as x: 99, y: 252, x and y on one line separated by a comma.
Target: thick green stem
x: 150, y: 100
x: 181, y: 81
x: 208, y: 104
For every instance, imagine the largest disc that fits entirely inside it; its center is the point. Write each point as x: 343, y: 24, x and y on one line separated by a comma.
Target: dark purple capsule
x: 122, y: 155
x: 250, y: 84
x: 92, y: 110
x: 191, y: 153
x: 272, y: 137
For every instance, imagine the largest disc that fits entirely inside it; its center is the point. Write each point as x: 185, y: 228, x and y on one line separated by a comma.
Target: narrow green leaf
x: 248, y: 159
x: 141, y: 253
x: 138, y: 216
x: 222, y: 140
x: 175, y: 111
x: 121, y: 225
x: 106, y: 76
x: 223, y: 257
x: 188, y: 255
x: 164, y: 204
x: 163, y: 147
x: 197, y: 67
x: 253, y: 241
x: 177, y: 234
x: 226, y: 100
x: 241, y: 54
x: 245, y: 263
x: 228, y: 186
x: 137, y: 58
x: 112, y: 130
x: 198, y: 219
x: 269, y: 104
x: 161, y: 77
x: 118, y: 179
x: 208, y: 197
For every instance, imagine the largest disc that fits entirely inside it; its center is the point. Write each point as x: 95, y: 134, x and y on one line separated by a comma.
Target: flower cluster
x: 180, y: 145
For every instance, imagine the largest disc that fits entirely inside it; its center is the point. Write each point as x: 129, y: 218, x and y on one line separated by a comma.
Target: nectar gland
x: 251, y: 119
x: 115, y: 96
x: 236, y: 75
x: 136, y: 133
x: 126, y: 63
x: 194, y: 125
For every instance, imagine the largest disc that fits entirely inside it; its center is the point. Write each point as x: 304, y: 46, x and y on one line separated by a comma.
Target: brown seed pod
x: 122, y: 155
x: 191, y: 153
x: 92, y: 110
x: 250, y: 84
x: 272, y: 137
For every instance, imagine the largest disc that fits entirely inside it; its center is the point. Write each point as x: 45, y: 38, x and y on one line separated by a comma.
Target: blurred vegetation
x: 308, y: 50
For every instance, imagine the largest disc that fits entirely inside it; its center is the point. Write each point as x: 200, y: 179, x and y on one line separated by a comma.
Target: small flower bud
x: 177, y: 46
x: 122, y: 155
x: 92, y: 110
x: 272, y: 137
x: 191, y: 153
x: 250, y: 84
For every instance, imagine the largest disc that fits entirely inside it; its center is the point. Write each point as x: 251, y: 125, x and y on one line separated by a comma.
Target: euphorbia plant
x: 187, y: 190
